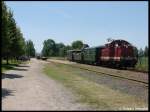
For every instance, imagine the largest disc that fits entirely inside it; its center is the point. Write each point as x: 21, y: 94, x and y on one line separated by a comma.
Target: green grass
x: 58, y: 58
x: 142, y: 64
x: 89, y: 92
x: 12, y: 64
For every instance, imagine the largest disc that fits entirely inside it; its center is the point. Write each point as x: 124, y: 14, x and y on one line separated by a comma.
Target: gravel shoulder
x: 27, y: 88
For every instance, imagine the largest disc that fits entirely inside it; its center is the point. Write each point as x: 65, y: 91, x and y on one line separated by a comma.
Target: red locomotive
x: 119, y: 53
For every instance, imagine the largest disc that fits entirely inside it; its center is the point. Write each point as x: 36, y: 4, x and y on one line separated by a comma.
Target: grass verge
x: 142, y: 64
x: 97, y: 96
x: 58, y: 58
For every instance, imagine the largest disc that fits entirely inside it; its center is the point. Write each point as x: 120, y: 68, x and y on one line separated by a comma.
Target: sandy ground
x: 27, y: 88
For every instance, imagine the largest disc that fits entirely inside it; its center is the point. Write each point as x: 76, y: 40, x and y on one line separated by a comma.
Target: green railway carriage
x: 92, y: 55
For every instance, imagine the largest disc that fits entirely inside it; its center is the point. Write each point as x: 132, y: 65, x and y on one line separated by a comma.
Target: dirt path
x: 27, y: 88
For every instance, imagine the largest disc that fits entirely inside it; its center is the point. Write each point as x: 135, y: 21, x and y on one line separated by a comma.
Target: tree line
x: 143, y: 52
x: 13, y: 42
x: 51, y: 48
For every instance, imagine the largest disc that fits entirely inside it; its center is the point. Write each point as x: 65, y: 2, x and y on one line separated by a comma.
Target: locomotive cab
x: 124, y: 53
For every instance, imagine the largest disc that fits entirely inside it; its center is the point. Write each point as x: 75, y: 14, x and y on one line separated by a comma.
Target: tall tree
x: 5, y: 35
x: 12, y: 39
x: 141, y: 52
x: 135, y: 51
x: 66, y: 49
x: 77, y: 44
x: 16, y: 37
x: 62, y: 51
x: 59, y: 47
x: 146, y: 51
x: 30, y: 50
x: 49, y: 48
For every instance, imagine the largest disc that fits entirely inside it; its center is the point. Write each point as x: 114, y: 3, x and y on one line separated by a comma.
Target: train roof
x: 120, y: 41
x: 85, y: 48
x: 102, y: 46
x: 73, y: 50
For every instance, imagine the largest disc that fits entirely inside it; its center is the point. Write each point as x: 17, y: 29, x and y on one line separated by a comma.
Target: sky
x: 91, y: 22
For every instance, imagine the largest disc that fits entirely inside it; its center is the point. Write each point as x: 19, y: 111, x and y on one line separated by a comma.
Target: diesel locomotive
x: 118, y: 53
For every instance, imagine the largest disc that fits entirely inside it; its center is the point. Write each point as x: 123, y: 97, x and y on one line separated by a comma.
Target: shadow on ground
x: 20, y: 69
x: 23, y: 66
x: 11, y: 76
x: 6, y: 92
x: 9, y: 67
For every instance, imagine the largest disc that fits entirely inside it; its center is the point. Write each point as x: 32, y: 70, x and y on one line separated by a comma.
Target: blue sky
x: 91, y: 22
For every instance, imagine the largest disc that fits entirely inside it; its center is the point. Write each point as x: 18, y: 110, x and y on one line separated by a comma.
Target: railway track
x: 137, y: 70
x: 100, y: 72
